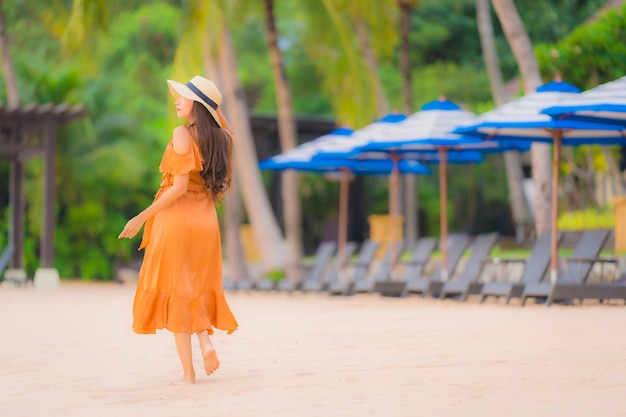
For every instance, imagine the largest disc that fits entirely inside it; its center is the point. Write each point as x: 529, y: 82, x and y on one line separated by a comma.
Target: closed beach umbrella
x: 522, y: 119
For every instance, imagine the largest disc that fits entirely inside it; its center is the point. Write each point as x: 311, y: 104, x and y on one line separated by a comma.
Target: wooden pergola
x: 26, y: 132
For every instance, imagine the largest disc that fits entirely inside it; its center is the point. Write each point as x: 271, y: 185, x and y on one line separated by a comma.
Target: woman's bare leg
x: 211, y: 363
x: 183, y: 346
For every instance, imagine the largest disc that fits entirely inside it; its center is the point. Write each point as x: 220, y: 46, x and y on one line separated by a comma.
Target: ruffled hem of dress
x: 154, y: 311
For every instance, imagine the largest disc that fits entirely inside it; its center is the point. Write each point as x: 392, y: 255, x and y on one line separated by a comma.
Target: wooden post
x: 16, y: 201
x: 47, y: 238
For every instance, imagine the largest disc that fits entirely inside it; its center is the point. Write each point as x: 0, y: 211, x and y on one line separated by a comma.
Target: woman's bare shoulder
x: 181, y: 139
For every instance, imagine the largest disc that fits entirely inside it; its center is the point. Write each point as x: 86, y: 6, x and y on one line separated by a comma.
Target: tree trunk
x: 287, y: 133
x: 370, y: 60
x: 13, y: 95
x: 613, y: 174
x: 236, y: 265
x: 410, y: 186
x: 521, y: 47
x: 515, y: 177
x: 266, y: 231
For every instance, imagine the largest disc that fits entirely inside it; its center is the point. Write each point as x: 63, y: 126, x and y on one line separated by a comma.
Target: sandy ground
x: 71, y: 352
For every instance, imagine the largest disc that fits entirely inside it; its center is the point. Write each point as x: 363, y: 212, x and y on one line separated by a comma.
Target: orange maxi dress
x: 180, y: 281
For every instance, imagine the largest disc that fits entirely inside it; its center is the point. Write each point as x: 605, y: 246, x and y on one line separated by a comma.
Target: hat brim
x: 181, y: 90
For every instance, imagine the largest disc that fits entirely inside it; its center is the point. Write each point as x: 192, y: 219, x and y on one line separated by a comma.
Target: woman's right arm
x: 181, y: 142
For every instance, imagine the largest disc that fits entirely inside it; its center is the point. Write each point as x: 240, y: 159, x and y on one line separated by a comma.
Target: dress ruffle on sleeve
x: 178, y: 164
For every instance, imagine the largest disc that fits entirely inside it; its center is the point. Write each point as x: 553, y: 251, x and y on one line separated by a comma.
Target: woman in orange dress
x: 180, y: 281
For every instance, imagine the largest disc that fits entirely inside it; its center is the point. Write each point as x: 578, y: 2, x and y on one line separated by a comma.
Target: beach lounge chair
x: 311, y: 272
x: 535, y: 267
x: 5, y: 258
x: 396, y: 282
x: 457, y: 243
x: 265, y: 284
x: 245, y: 284
x: 314, y: 282
x: 574, y: 281
x: 342, y: 281
x: 366, y: 282
x: 468, y: 282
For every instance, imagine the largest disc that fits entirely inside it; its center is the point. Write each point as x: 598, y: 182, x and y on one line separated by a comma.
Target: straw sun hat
x: 201, y: 90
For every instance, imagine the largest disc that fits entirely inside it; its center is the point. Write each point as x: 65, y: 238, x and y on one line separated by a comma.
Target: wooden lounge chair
x: 457, y: 243
x: 468, y: 282
x: 315, y: 282
x: 311, y: 272
x: 574, y: 281
x: 535, y: 267
x: 365, y: 283
x: 342, y: 281
x: 422, y: 250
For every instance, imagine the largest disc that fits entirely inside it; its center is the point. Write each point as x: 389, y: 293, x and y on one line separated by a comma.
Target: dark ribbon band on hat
x: 200, y: 94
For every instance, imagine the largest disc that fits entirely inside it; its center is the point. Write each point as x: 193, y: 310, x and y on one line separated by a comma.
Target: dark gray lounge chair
x: 312, y: 272
x: 468, y: 282
x: 535, y: 267
x: 342, y: 281
x: 395, y: 284
x: 266, y: 284
x: 365, y: 283
x: 5, y: 258
x: 457, y: 243
x: 573, y: 283
x: 245, y: 284
x: 320, y: 282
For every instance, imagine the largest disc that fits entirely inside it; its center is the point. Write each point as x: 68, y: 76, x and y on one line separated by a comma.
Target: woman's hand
x: 132, y: 228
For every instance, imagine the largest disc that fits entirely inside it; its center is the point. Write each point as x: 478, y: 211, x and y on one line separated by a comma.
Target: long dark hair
x: 216, y: 146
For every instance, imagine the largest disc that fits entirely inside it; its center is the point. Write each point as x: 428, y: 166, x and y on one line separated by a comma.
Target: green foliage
x: 275, y: 275
x: 591, y: 54
x: 591, y: 218
x: 107, y: 163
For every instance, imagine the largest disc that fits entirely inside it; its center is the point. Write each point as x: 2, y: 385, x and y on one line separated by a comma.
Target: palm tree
x: 266, y: 230
x: 512, y: 162
x: 233, y: 215
x: 346, y: 79
x: 209, y: 32
x: 84, y: 17
x: 287, y: 133
x: 522, y: 49
x: 374, y: 25
x: 411, y: 225
x: 8, y: 71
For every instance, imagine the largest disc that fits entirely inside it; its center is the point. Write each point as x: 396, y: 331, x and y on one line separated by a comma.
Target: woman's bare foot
x: 186, y: 380
x: 211, y: 363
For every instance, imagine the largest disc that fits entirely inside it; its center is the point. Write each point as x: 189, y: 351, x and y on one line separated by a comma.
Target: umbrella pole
x: 443, y: 204
x: 393, y: 206
x: 557, y: 137
x: 342, y: 233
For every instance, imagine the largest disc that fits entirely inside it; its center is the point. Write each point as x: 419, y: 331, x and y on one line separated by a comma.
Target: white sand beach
x: 71, y: 352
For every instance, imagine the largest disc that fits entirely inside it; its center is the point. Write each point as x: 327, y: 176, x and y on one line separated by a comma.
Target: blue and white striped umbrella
x: 302, y: 158
x: 604, y: 104
x: 343, y: 148
x: 427, y: 136
x: 522, y: 119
